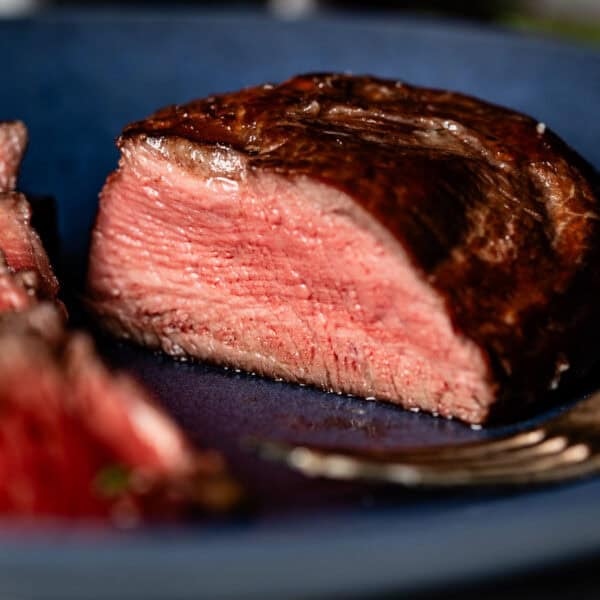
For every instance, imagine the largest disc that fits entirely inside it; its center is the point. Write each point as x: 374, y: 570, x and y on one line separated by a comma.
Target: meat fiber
x: 13, y: 141
x: 358, y: 234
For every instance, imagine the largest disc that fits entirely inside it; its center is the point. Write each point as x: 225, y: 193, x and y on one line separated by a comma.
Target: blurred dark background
x: 575, y: 19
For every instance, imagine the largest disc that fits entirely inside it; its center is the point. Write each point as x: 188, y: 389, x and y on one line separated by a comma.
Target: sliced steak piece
x: 22, y: 248
x: 82, y: 442
x: 13, y: 141
x: 358, y: 234
x: 25, y: 271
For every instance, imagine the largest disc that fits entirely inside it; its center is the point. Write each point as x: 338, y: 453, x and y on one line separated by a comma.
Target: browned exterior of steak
x: 498, y: 215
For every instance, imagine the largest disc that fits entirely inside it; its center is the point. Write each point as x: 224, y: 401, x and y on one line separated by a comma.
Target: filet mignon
x: 358, y: 234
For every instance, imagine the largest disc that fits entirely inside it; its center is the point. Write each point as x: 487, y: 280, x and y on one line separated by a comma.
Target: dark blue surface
x: 76, y: 80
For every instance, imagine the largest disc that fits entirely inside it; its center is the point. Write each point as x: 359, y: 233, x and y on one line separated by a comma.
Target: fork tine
x: 505, y: 452
x: 574, y: 461
x: 507, y: 455
x: 571, y: 461
x: 522, y: 443
x: 500, y: 450
x: 472, y: 450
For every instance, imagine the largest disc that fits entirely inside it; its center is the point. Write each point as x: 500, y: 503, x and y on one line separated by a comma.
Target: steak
x: 13, y: 141
x: 361, y: 235
x: 23, y: 254
x: 86, y: 443
x: 25, y: 271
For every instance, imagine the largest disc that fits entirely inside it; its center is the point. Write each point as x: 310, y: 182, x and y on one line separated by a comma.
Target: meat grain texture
x: 76, y: 440
x: 361, y: 235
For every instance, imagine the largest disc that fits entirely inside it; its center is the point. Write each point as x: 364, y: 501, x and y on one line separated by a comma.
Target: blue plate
x: 76, y: 79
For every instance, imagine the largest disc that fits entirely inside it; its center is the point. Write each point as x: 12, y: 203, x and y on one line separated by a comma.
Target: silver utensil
x: 564, y: 447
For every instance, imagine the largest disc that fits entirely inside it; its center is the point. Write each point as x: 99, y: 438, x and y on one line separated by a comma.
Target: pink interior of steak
x: 117, y: 411
x: 21, y: 245
x: 13, y: 139
x: 284, y: 277
x: 57, y: 436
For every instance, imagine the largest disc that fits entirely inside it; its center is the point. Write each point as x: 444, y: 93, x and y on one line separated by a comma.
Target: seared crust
x: 495, y: 210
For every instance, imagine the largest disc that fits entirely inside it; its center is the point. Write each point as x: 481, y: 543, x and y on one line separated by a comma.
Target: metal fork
x: 564, y: 447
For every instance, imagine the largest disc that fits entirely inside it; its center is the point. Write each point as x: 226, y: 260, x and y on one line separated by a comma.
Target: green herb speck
x: 112, y: 480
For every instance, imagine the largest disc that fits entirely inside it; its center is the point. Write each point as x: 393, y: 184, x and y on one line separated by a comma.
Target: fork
x: 564, y: 447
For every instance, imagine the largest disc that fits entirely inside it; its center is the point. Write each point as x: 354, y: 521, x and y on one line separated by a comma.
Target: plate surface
x: 76, y: 79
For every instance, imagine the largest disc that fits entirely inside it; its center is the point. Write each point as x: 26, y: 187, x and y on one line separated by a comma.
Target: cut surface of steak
x: 25, y: 271
x: 22, y: 248
x: 86, y: 443
x: 358, y: 234
x: 13, y: 141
